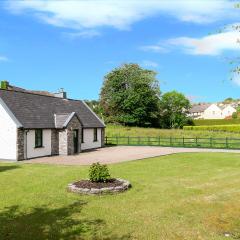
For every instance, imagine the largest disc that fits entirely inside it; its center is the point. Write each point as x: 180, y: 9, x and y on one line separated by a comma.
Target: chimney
x: 61, y: 93
x: 4, y: 84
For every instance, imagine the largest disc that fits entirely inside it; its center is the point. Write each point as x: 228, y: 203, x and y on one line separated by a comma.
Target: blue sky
x: 72, y: 44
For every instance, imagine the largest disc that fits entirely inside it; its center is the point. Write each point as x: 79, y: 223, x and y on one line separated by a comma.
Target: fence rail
x: 225, y: 143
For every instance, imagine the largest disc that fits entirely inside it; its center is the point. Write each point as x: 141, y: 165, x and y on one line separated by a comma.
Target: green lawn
x: 116, y: 130
x: 181, y: 196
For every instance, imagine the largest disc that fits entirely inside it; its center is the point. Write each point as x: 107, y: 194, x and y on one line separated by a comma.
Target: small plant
x: 99, y: 173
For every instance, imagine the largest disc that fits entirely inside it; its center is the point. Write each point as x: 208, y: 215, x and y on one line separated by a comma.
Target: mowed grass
x: 117, y: 130
x: 181, y: 196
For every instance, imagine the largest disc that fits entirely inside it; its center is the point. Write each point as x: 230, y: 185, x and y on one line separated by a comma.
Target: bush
x: 99, y: 173
x: 220, y: 128
x: 205, y: 122
x: 234, y: 115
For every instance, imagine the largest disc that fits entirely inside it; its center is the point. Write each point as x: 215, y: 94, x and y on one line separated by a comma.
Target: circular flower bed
x: 88, y: 187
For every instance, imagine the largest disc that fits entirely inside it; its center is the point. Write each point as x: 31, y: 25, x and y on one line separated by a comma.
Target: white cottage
x: 211, y: 111
x: 35, y: 125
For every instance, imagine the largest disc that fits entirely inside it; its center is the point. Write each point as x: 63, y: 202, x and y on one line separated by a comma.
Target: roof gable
x: 62, y: 120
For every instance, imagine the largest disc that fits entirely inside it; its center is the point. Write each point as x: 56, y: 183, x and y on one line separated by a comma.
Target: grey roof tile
x: 199, y: 108
x: 37, y: 111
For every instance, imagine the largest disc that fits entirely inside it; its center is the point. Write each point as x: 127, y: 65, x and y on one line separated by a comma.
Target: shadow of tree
x: 44, y: 223
x: 6, y: 168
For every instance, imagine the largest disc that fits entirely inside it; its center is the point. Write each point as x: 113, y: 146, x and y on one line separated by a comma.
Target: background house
x: 211, y: 111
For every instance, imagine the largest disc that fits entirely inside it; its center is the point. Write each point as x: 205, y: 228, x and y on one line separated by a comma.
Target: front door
x: 75, y: 140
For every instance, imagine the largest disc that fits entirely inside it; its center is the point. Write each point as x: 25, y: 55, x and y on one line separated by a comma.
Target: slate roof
x: 37, y: 111
x: 199, y: 108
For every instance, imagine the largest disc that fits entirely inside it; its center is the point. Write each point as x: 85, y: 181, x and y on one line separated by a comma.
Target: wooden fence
x: 225, y: 143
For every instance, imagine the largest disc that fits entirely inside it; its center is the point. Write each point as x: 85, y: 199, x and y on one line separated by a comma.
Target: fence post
x: 148, y: 141
x: 106, y: 140
x: 170, y: 141
x: 138, y: 140
x: 128, y: 140
x: 210, y: 142
x: 183, y: 140
x: 227, y: 146
x: 196, y: 141
x: 159, y: 141
x: 116, y: 140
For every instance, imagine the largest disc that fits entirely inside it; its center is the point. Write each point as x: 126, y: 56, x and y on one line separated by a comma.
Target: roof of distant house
x: 199, y: 107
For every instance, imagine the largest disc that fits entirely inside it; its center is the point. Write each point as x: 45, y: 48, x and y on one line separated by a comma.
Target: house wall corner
x: 20, y: 144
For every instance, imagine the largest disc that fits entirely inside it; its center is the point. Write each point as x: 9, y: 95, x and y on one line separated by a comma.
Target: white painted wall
x: 88, y: 139
x: 8, y: 136
x: 228, y: 111
x: 38, y: 152
x: 196, y: 115
x: 213, y: 112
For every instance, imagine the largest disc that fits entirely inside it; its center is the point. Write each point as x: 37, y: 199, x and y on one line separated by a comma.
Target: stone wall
x: 74, y: 124
x: 63, y: 148
x: 20, y: 144
x: 103, y: 137
x: 54, y: 142
x: 66, y: 143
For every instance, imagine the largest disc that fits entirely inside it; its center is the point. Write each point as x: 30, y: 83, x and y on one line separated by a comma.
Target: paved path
x: 118, y: 154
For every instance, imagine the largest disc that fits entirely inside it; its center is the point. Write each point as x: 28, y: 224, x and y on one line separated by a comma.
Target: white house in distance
x: 211, y: 111
x: 35, y: 124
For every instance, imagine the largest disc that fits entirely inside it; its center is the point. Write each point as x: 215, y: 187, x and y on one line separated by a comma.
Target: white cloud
x: 121, y: 14
x: 212, y: 45
x: 148, y: 63
x: 3, y: 59
x: 154, y: 48
x: 82, y: 34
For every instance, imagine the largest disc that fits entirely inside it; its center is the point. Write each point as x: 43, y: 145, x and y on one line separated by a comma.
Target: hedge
x: 220, y: 128
x: 205, y: 122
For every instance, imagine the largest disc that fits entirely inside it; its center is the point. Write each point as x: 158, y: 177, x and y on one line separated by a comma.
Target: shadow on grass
x: 7, y: 168
x: 44, y: 223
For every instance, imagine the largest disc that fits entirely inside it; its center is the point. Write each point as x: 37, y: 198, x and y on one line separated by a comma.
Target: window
x: 38, y: 138
x: 213, y: 112
x: 82, y: 136
x: 95, y: 135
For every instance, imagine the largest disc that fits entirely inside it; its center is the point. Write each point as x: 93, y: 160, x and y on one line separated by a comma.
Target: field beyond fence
x: 224, y: 143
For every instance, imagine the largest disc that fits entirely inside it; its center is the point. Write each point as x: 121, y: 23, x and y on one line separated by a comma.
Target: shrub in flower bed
x: 99, y: 173
x: 99, y: 182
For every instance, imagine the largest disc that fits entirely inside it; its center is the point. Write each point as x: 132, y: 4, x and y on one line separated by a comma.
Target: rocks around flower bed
x: 93, y: 188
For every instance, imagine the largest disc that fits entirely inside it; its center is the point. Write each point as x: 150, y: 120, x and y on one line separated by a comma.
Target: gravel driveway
x: 118, y: 154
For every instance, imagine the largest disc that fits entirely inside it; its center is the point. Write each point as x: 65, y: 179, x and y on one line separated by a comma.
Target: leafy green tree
x: 130, y: 95
x: 174, y: 110
x: 235, y: 61
x: 228, y: 100
x: 95, y: 106
x: 234, y: 115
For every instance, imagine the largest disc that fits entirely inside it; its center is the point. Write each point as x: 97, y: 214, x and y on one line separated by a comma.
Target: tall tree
x: 174, y: 110
x: 235, y: 62
x: 95, y: 106
x: 130, y: 95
